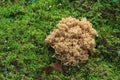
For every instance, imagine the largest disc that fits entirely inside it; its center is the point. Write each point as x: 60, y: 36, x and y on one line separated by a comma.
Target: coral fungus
x: 73, y: 41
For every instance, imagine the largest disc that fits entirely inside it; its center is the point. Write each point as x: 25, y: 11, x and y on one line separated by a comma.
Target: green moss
x: 24, y: 27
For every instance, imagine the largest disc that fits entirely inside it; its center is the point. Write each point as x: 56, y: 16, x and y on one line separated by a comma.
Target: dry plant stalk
x: 72, y: 41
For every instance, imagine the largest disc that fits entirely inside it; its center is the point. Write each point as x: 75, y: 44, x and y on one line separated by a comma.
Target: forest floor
x: 25, y: 25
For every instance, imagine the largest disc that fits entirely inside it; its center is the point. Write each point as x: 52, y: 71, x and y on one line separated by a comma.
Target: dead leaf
x: 57, y: 67
x: 54, y: 66
x: 15, y: 1
x: 47, y: 69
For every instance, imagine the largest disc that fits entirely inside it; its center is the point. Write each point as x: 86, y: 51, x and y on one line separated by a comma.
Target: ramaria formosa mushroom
x: 73, y: 41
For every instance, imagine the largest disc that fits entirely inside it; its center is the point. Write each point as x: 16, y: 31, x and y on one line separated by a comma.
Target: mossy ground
x: 24, y: 27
